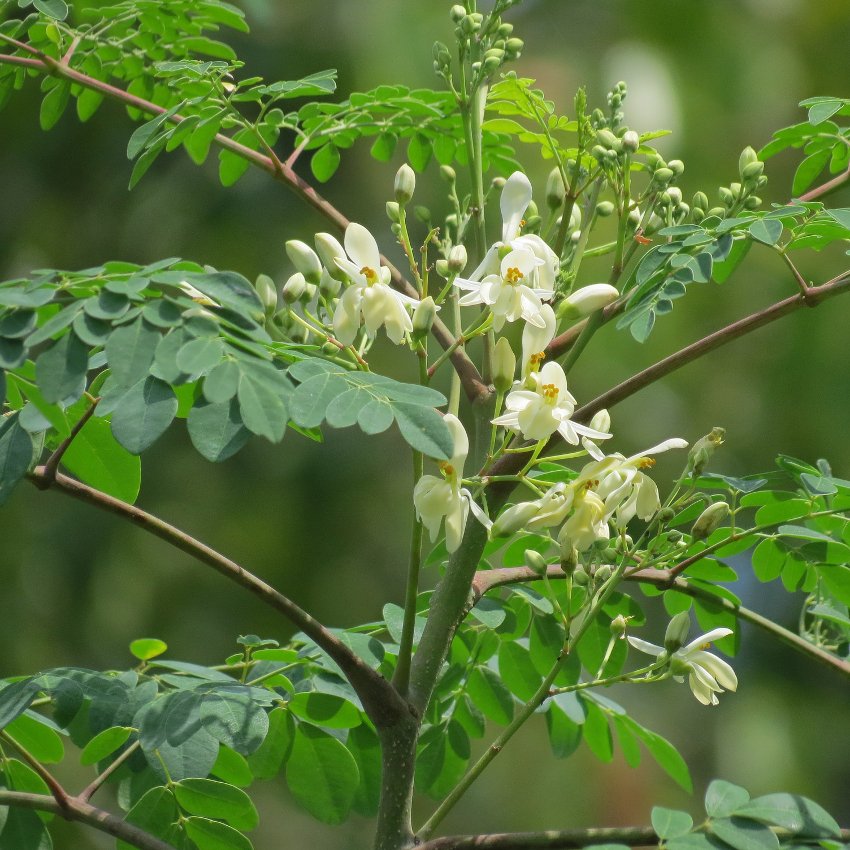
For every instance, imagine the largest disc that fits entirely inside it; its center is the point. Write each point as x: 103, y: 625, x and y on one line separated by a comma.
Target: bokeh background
x: 329, y: 524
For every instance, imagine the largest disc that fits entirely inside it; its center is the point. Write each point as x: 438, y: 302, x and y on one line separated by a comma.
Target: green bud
x: 587, y: 300
x: 423, y: 317
x: 267, y: 293
x: 294, y: 288
x: 619, y: 625
x: 513, y: 519
x: 498, y: 183
x: 305, y: 260
x: 442, y: 268
x: 504, y: 365
x: 468, y: 26
x: 717, y: 211
x: 607, y: 139
x: 662, y: 176
x: 735, y: 189
x: 329, y: 348
x: 494, y: 53
x: 709, y: 520
x: 700, y: 201
x: 762, y: 181
x: 393, y: 211
x: 604, y: 209
x: 703, y: 449
x: 457, y: 13
x: 697, y: 215
x: 555, y: 189
x: 603, y: 573
x: 631, y: 141
x: 442, y: 56
x: 598, y: 152
x: 665, y: 515
x: 533, y: 223
x: 451, y: 220
x: 283, y: 320
x: 514, y: 47
x: 726, y: 196
x: 536, y: 562
x: 597, y: 117
x: 505, y: 30
x: 423, y: 214
x: 448, y: 174
x: 405, y: 184
x: 458, y: 259
x: 676, y: 166
x: 752, y: 171
x: 677, y: 631
x: 580, y: 577
x: 753, y: 202
x: 395, y: 229
x: 329, y: 286
x: 310, y: 292
x: 491, y: 64
x: 329, y: 250
x: 748, y: 157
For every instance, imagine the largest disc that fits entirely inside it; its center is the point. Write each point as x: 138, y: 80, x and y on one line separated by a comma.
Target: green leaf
x: 213, y: 835
x: 23, y: 829
x: 130, y: 352
x: 57, y: 9
x: 147, y: 648
x: 744, y: 834
x: 364, y: 746
x: 518, y: 671
x: 424, y: 430
x: 797, y: 814
x: 490, y: 695
x: 222, y: 382
x: 766, y: 230
x: 232, y: 767
x: 443, y: 760
x: 326, y: 710
x: 384, y: 147
x: 262, y: 405
x: 144, y: 133
x: 104, y: 744
x: 266, y: 761
x: 235, y: 720
x: 325, y: 162
x: 231, y: 166
x: 212, y: 799
x: 60, y: 371
x: 321, y: 774
x: 16, y: 451
x: 143, y: 414
x: 665, y: 754
x: 54, y: 103
x: 823, y: 110
x: 419, y: 151
x: 837, y: 579
x: 216, y: 430
x: 723, y: 798
x: 669, y: 823
x: 98, y: 459
x: 723, y: 269
x: 38, y: 739
x: 564, y: 733
x: 597, y: 733
x: 154, y: 813
x: 808, y: 170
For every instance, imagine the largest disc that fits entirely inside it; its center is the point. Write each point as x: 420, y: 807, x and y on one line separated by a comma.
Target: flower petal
x: 516, y: 196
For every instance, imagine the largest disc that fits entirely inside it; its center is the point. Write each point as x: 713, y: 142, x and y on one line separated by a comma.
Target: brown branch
x: 381, y: 701
x: 486, y: 580
x: 86, y: 813
x: 567, y: 839
x: 51, y: 467
x: 825, y: 188
x: 60, y: 795
x: 475, y: 387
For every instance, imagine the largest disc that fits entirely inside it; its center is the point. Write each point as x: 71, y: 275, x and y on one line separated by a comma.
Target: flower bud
x: 662, y: 176
x: 569, y: 557
x: 267, y: 293
x: 677, y: 631
x: 513, y: 519
x: 504, y: 365
x: 607, y: 139
x: 514, y: 47
x: 505, y: 30
x: 619, y: 625
x: 457, y: 259
x: 587, y: 300
x: 310, y: 292
x: 703, y: 449
x: 580, y: 577
x: 752, y: 203
x: 329, y: 286
x: 442, y: 268
x: 393, y: 211
x: 700, y: 201
x: 442, y: 56
x: 726, y: 196
x: 405, y: 184
x: 423, y: 214
x: 498, y: 183
x: 665, y: 515
x: 601, y: 421
x: 676, y: 166
x: 748, y: 157
x: 423, y: 317
x: 448, y: 174
x: 631, y: 141
x: 294, y: 288
x: 536, y: 562
x: 604, y: 209
x: 709, y: 520
x: 555, y: 189
x: 329, y: 251
x: 752, y: 171
x: 674, y: 195
x: 603, y: 573
x: 575, y: 218
x: 457, y: 13
x: 305, y: 260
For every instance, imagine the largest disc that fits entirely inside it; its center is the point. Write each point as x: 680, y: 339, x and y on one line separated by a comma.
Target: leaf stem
x: 86, y: 794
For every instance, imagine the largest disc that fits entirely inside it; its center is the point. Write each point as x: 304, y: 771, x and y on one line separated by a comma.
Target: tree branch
x: 380, y: 699
x: 85, y: 813
x: 475, y: 387
x: 567, y: 839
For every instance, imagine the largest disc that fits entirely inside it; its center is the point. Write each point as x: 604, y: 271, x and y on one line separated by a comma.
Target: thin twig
x: 381, y: 701
x: 51, y: 467
x: 88, y: 792
x: 567, y: 839
x: 60, y: 795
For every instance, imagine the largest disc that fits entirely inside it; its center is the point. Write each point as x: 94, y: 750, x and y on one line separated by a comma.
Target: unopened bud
x: 631, y: 141
x: 607, y: 139
x: 703, y: 449
x: 442, y: 268
x: 752, y: 171
x: 423, y: 317
x: 603, y: 573
x: 329, y: 286
x: 601, y: 421
x: 700, y: 201
x: 457, y: 13
x: 717, y: 211
x: 587, y: 300
x: 677, y: 631
x: 580, y: 577
x: 514, y: 47
x: 663, y: 176
x: 458, y: 259
x: 676, y: 166
x: 674, y: 195
x: 504, y: 365
x: 310, y: 292
x: 748, y: 157
x: 305, y: 260
x: 329, y: 251
x: 393, y: 211
x: 498, y: 183
x: 448, y: 174
x: 405, y: 184
x: 267, y: 293
x: 513, y: 519
x: 604, y: 209
x: 753, y: 202
x: 555, y: 189
x: 726, y: 195
x: 665, y: 515
x: 423, y: 214
x: 709, y: 520
x: 505, y: 30
x: 536, y: 562
x: 619, y: 625
x: 294, y: 288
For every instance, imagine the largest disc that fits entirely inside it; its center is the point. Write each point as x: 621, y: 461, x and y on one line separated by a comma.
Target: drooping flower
x: 535, y: 339
x: 436, y: 499
x: 625, y: 489
x: 539, y: 412
x: 369, y: 300
x: 550, y: 509
x: 707, y: 674
x: 588, y: 521
x: 510, y: 294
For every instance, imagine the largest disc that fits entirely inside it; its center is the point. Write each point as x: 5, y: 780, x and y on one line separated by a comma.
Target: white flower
x: 369, y: 299
x: 707, y: 674
x: 550, y: 509
x: 535, y: 339
x: 587, y: 523
x: 510, y: 294
x: 601, y: 421
x: 538, y: 413
x: 438, y: 498
x: 626, y: 490
x: 588, y: 300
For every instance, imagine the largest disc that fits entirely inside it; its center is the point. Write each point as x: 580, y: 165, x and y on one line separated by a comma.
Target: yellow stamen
x: 549, y: 392
x: 370, y: 274
x: 535, y: 360
x: 646, y: 463
x: 446, y: 468
x: 514, y: 275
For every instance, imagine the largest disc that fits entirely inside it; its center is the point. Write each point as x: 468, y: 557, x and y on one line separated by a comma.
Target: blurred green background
x: 329, y: 524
